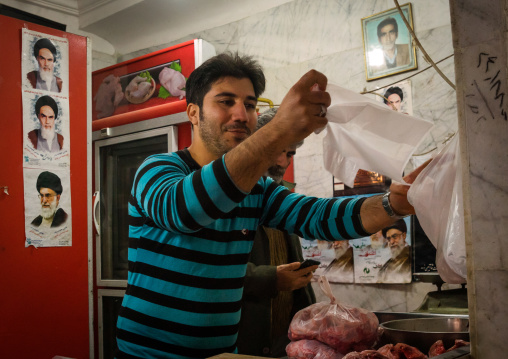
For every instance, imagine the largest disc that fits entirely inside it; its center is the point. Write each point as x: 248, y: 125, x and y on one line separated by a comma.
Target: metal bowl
x: 421, y: 333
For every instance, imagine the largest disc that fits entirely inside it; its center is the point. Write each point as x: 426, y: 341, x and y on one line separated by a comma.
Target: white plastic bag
x: 436, y: 195
x: 364, y: 134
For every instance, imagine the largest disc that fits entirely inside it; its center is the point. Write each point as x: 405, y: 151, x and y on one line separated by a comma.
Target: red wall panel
x: 44, y: 300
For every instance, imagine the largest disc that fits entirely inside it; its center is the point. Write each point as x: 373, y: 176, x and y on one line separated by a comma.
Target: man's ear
x: 193, y: 113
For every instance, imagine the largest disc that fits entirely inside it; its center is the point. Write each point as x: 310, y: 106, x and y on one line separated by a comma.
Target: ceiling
x: 132, y: 25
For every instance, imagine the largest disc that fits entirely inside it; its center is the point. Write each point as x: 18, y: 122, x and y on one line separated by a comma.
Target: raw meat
x: 311, y: 349
x: 343, y: 328
x: 390, y: 352
x: 108, y: 96
x: 436, y: 349
x: 409, y: 351
x: 366, y: 354
x: 458, y: 343
x: 138, y: 88
x: 173, y: 81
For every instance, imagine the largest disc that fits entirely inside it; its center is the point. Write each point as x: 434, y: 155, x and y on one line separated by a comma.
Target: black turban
x: 49, y: 180
x: 46, y: 101
x: 44, y: 44
x: 400, y: 225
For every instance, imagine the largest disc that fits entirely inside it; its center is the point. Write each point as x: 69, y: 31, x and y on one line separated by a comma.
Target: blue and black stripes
x: 191, y: 231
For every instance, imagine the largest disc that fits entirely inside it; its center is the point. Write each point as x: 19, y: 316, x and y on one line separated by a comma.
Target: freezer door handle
x: 95, y: 215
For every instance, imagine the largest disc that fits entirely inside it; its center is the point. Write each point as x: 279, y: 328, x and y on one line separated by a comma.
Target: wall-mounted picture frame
x: 387, y: 43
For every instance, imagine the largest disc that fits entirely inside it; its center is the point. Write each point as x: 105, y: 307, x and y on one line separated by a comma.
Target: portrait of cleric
x: 341, y: 269
x: 44, y: 78
x: 394, y: 98
x: 49, y: 188
x: 45, y: 138
x: 398, y: 268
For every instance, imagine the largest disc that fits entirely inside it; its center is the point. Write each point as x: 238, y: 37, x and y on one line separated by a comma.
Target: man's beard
x: 396, y: 250
x: 339, y: 252
x: 48, y: 134
x: 276, y: 172
x: 46, y: 75
x: 212, y: 136
x: 49, y: 212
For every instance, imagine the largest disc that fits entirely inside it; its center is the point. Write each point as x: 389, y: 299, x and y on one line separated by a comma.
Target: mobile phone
x: 308, y: 263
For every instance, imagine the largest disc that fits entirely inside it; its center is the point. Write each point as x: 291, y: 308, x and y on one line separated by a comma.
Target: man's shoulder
x: 37, y: 221
x: 403, y: 48
x: 60, y: 140
x: 163, y: 161
x: 59, y: 218
x: 33, y: 137
x: 58, y: 83
x: 32, y: 77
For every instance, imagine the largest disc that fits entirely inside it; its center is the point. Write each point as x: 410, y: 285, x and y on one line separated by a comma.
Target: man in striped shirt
x: 194, y: 213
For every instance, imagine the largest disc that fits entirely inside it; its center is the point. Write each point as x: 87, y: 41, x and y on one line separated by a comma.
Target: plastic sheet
x: 436, y: 195
x: 364, y: 134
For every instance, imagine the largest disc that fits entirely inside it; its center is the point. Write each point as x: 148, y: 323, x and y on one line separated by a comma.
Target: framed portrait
x: 387, y: 43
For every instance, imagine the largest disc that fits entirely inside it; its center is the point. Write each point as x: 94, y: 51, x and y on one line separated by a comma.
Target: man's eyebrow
x: 231, y: 94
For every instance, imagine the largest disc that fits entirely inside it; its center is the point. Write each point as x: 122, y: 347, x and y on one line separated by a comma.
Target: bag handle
x: 325, y: 287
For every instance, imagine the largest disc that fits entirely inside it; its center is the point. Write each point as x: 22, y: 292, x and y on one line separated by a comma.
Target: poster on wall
x: 384, y: 257
x: 398, y: 97
x: 46, y: 139
x: 45, y: 63
x: 48, y: 217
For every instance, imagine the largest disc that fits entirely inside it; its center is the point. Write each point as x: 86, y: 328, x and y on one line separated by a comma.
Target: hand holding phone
x: 308, y: 263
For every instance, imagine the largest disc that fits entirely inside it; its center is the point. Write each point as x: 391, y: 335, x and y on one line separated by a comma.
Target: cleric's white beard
x: 48, y: 135
x: 339, y: 252
x: 46, y: 75
x: 49, y: 212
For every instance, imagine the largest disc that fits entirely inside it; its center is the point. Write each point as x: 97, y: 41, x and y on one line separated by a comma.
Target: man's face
x: 46, y: 61
x: 340, y: 248
x: 228, y: 115
x: 377, y: 241
x: 396, y: 240
x: 394, y: 102
x: 49, y: 202
x: 388, y: 37
x: 278, y: 170
x: 46, y: 117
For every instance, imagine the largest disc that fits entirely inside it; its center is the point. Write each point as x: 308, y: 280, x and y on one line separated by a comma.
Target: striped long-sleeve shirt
x: 190, y: 234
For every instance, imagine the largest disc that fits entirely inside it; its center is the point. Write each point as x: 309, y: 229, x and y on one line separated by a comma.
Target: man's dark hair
x: 266, y: 117
x: 223, y: 65
x: 45, y: 44
x: 46, y: 101
x: 393, y: 90
x: 400, y: 225
x: 387, y: 21
x: 49, y: 180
